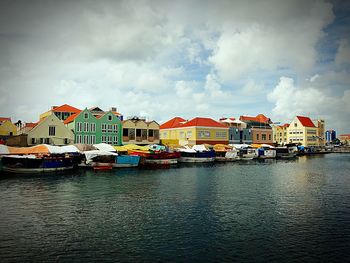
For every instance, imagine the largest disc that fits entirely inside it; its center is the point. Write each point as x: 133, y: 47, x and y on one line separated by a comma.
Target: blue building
x: 330, y: 136
x: 239, y: 132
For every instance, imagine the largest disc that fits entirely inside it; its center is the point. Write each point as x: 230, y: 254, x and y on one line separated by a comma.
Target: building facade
x: 238, y: 133
x: 330, y: 136
x: 303, y: 131
x: 178, y: 131
x: 88, y: 129
x: 138, y: 131
x: 280, y: 134
x: 50, y: 130
x: 344, y: 139
x: 260, y: 128
x: 7, y: 128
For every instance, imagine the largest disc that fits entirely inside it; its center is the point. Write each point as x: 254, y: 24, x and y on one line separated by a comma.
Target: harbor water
x: 269, y: 211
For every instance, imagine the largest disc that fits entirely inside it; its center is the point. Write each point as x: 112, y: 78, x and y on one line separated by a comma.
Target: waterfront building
x: 179, y: 131
x: 91, y: 129
x: 26, y: 127
x: 137, y: 130
x: 238, y: 131
x: 98, y: 112
x: 50, y: 130
x: 330, y: 136
x: 280, y: 133
x: 320, y: 124
x: 7, y: 128
x: 345, y: 139
x: 260, y: 128
x: 62, y: 112
x: 303, y: 131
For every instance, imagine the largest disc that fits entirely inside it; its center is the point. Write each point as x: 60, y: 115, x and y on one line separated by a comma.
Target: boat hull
x: 35, y: 170
x: 160, y: 161
x: 196, y: 159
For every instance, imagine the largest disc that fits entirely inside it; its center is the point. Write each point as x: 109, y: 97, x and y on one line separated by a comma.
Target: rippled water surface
x: 278, y: 211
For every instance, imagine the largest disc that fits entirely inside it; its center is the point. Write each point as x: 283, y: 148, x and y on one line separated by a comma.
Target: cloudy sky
x: 162, y: 59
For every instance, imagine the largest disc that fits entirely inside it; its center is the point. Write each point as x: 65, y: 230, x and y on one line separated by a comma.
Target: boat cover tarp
x: 240, y: 146
x: 127, y: 147
x: 156, y: 147
x: 89, y: 155
x: 38, y: 149
x: 231, y: 154
x: 222, y: 147
x: 62, y: 149
x: 104, y: 147
x: 3, y: 149
x: 84, y: 147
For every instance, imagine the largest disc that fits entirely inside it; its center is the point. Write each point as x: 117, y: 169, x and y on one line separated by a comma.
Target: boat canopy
x: 193, y: 149
x: 240, y: 146
x: 127, y: 147
x: 38, y: 149
x: 222, y: 147
x: 89, y: 155
x: 156, y: 147
x: 104, y: 147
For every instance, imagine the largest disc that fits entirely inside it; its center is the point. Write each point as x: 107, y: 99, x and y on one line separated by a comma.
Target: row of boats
x: 48, y: 158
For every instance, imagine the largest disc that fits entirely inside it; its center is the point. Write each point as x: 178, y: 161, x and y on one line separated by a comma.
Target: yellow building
x: 139, y: 131
x: 280, y: 134
x: 303, y: 131
x: 178, y: 131
x: 50, y: 130
x: 320, y: 124
x: 7, y: 128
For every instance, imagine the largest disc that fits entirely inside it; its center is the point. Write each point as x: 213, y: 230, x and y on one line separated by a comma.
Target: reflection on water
x: 284, y: 210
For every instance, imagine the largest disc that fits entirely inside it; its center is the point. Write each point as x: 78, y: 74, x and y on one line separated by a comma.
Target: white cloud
x: 290, y: 100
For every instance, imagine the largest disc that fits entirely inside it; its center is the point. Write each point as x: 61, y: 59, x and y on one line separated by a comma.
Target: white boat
x: 97, y: 158
x: 196, y: 154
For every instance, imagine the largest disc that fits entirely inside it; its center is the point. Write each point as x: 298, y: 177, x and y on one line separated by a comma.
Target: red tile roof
x: 179, y: 122
x: 66, y: 108
x: 31, y: 124
x: 259, y: 118
x: 173, y: 123
x: 286, y: 125
x: 306, y: 121
x: 2, y: 119
x: 71, y: 117
x: 204, y: 122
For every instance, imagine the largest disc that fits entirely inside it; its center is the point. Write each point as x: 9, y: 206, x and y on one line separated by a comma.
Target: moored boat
x: 225, y: 153
x: 196, y: 154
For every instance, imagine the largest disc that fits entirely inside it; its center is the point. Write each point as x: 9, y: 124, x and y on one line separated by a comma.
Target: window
x: 144, y: 134
x: 295, y: 124
x: 86, y: 126
x: 65, y: 140
x: 33, y: 140
x: 132, y: 134
x: 109, y: 117
x: 92, y: 139
x: 41, y: 140
x: 92, y: 127
x: 79, y: 126
x: 257, y: 136
x: 86, y: 139
x: 109, y: 139
x: 115, y: 140
x: 270, y: 137
x: 263, y: 137
x: 125, y: 132
x: 47, y: 140
x: 204, y: 134
x: 52, y: 130
x: 189, y: 135
x: 221, y: 135
x: 138, y: 132
x: 86, y: 115
x: 104, y: 127
x: 115, y: 127
x: 156, y: 134
x: 182, y: 135
x: 150, y: 133
x: 110, y: 128
x: 103, y: 139
x: 78, y: 139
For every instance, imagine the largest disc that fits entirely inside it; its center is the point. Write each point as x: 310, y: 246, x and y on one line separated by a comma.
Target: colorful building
x: 50, y: 130
x: 88, y: 129
x: 320, y: 124
x: 280, y: 133
x: 178, y: 131
x: 330, y: 136
x: 345, y: 139
x: 62, y: 112
x: 260, y: 128
x: 303, y: 131
x: 7, y: 128
x: 26, y: 127
x: 238, y: 131
x: 139, y: 131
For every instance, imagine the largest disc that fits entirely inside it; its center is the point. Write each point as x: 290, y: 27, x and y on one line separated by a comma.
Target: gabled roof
x: 204, y: 122
x: 96, y: 109
x: 30, y: 124
x: 65, y: 108
x: 306, y: 121
x: 173, y: 123
x: 72, y: 117
x: 286, y: 125
x: 3, y: 119
x: 258, y: 118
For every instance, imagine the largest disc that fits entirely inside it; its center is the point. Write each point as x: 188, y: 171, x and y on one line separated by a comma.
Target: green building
x: 90, y: 129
